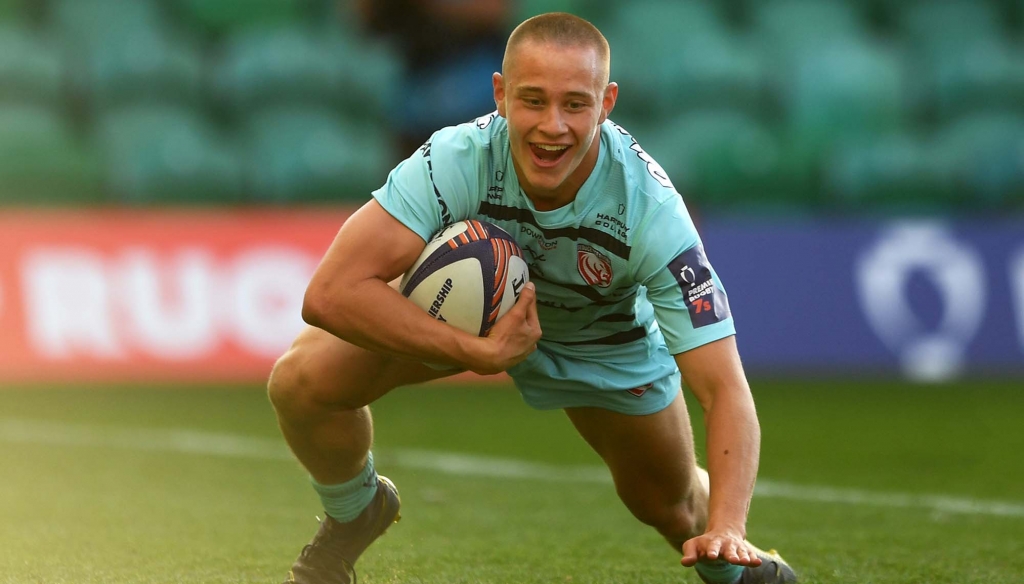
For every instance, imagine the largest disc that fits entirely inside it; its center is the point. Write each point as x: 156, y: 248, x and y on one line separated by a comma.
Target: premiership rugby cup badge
x: 594, y: 266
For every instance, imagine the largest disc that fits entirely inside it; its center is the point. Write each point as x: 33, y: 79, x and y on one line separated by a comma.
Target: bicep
x: 371, y: 244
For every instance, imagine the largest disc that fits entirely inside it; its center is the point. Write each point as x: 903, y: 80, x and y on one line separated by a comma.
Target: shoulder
x: 645, y: 185
x: 641, y: 174
x: 476, y: 137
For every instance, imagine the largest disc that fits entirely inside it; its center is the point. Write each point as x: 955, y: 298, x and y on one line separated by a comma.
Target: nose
x: 553, y: 122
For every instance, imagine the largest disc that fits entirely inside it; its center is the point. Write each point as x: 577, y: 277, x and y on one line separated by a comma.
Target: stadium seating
x: 144, y: 66
x: 722, y: 158
x: 894, y: 173
x: 81, y: 23
x: 10, y: 10
x: 303, y: 65
x: 947, y: 24
x: 269, y: 67
x: 40, y: 161
x: 296, y: 154
x: 31, y: 69
x: 643, y: 33
x: 884, y: 103
x: 220, y: 16
x: 163, y: 154
x: 985, y: 155
x: 978, y: 75
x: 845, y: 91
x: 786, y: 27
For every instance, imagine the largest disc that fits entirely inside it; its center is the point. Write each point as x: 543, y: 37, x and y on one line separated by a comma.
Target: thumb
x: 531, y: 306
x: 528, y: 296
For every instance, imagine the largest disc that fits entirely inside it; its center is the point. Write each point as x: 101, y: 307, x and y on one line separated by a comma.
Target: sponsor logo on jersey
x: 594, y: 266
x: 483, y: 121
x: 706, y: 302
x: 545, y: 243
x: 640, y: 391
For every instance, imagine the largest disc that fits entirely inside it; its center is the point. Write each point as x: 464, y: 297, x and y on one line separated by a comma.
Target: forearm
x: 733, y: 449
x: 375, y: 316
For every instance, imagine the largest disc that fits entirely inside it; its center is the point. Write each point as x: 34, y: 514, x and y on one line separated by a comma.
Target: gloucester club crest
x: 594, y: 266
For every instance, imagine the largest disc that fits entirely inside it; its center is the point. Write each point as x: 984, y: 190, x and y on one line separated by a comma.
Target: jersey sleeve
x: 435, y: 186
x: 690, y: 303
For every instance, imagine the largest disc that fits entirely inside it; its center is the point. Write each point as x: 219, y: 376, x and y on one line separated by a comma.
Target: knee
x: 289, y: 386
x: 676, y: 518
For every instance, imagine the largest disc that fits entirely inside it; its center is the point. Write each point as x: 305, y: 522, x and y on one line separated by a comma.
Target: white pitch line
x: 204, y: 443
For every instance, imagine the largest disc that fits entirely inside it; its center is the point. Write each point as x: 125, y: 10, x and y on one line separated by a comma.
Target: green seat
x: 166, y: 155
x: 142, y: 66
x: 80, y: 23
x: 786, y: 27
x: 983, y: 154
x: 286, y: 65
x: 31, y: 70
x: 786, y: 31
x: 370, y: 71
x: 595, y: 12
x: 40, y: 160
x: 647, y: 57
x: 720, y: 158
x: 219, y: 16
x: 978, y: 75
x: 896, y: 173
x: 10, y: 10
x: 948, y: 24
x: 844, y: 92
x: 309, y: 155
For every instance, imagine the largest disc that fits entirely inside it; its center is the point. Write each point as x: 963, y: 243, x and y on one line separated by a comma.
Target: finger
x: 736, y: 553
x: 753, y: 559
x: 690, y: 554
x: 713, y: 549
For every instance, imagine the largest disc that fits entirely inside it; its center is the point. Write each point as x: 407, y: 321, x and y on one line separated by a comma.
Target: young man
x: 621, y: 286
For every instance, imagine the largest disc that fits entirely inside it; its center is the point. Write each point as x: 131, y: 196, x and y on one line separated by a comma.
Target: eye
x: 533, y: 101
x: 577, y: 105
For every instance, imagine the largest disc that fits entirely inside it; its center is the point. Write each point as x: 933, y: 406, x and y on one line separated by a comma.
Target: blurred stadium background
x: 865, y: 106
x: 172, y: 170
x: 856, y: 165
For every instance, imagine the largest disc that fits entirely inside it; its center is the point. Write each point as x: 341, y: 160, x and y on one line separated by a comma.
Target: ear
x: 611, y: 94
x: 499, y: 93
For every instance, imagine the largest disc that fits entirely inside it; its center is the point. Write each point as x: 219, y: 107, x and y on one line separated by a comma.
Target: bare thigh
x: 329, y: 370
x: 653, y: 464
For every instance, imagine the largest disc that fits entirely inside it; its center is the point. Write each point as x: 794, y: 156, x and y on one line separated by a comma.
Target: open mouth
x: 548, y: 154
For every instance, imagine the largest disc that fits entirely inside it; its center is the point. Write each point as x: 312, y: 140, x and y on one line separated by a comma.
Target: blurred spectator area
x: 754, y: 106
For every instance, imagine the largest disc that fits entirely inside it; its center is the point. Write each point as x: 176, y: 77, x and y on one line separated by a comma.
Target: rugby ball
x: 469, y: 275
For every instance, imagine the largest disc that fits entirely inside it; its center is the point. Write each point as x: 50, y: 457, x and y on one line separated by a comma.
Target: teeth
x: 551, y: 147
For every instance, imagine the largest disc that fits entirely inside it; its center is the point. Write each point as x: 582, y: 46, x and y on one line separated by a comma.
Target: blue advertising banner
x: 931, y: 299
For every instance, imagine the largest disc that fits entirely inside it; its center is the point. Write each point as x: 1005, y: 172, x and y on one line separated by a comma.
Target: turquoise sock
x: 718, y: 571
x: 346, y: 501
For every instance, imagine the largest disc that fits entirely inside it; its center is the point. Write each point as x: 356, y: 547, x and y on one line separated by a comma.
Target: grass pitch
x: 864, y: 482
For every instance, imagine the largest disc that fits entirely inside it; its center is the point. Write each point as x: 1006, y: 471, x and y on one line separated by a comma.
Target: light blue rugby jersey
x: 618, y: 272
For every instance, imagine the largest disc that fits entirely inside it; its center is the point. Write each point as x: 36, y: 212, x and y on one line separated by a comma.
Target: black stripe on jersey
x: 612, y: 318
x: 623, y: 338
x: 559, y: 306
x: 609, y: 242
x: 586, y: 291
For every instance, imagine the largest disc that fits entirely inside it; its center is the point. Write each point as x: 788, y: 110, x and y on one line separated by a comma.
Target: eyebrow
x: 533, y: 89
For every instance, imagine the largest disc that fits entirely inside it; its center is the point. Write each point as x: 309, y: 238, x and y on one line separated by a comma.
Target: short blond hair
x: 560, y: 28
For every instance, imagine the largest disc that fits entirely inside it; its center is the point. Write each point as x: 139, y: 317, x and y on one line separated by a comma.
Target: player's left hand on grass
x: 719, y: 545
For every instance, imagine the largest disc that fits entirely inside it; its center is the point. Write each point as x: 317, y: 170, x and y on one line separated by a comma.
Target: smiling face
x: 555, y: 97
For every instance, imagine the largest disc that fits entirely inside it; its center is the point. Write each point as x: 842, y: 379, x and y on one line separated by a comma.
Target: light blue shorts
x: 549, y: 382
